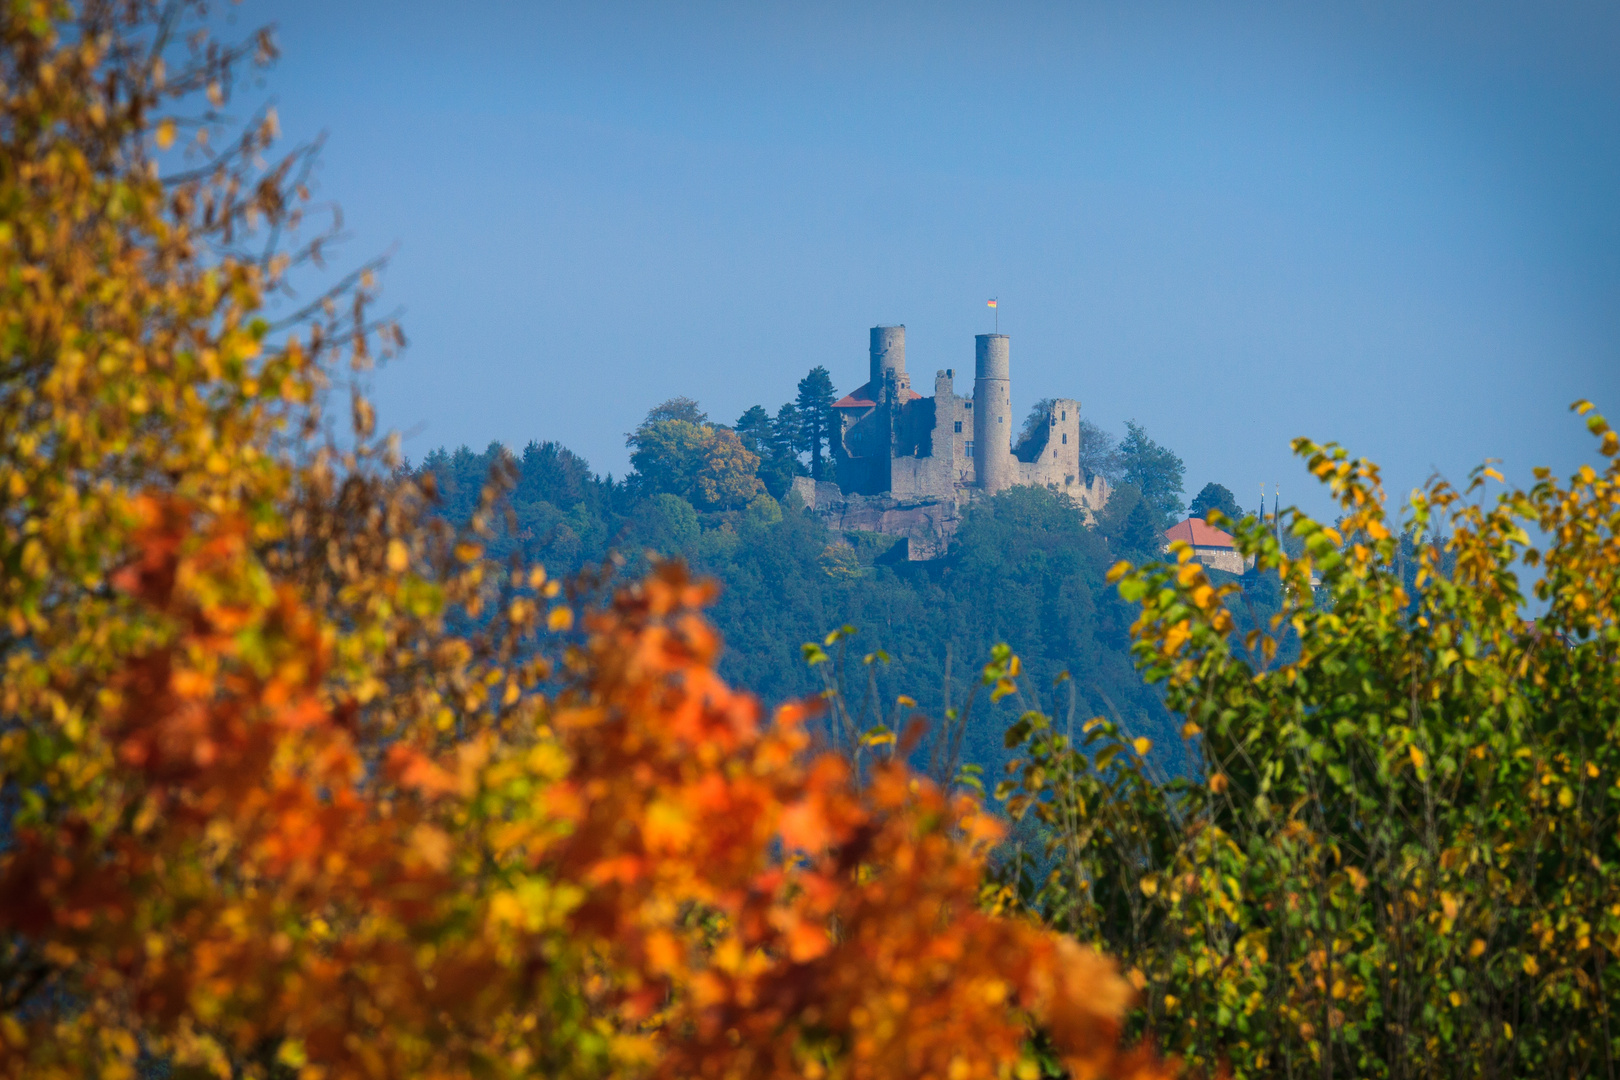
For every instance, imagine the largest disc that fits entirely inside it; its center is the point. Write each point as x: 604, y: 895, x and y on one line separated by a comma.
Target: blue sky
x: 1393, y: 225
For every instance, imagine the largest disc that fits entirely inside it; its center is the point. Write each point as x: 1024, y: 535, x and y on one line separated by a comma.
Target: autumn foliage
x: 1399, y: 855
x: 266, y: 813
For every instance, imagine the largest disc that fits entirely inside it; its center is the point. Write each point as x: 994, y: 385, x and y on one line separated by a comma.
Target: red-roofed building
x: 1211, y: 546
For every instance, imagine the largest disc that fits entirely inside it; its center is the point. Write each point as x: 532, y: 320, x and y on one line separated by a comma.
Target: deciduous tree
x: 1214, y: 496
x: 1399, y: 856
x: 1155, y: 471
x: 266, y: 813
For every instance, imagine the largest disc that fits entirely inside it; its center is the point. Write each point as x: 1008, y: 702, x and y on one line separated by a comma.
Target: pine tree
x: 818, y: 423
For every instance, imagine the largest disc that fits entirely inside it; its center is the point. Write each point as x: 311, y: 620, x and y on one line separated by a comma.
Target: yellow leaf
x: 399, y: 557
x: 1416, y: 755
x: 1141, y: 745
x: 1476, y: 949
x: 1149, y: 886
x: 561, y: 618
x: 1530, y: 966
x: 165, y: 134
x: 431, y: 845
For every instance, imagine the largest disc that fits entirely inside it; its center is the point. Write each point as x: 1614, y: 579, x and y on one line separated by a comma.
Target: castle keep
x: 907, y: 464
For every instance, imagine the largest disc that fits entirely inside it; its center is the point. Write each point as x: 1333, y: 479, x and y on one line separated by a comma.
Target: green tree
x: 677, y: 408
x: 1099, y: 453
x: 818, y: 424
x: 1155, y: 470
x: 1216, y: 497
x: 1400, y: 853
x: 754, y: 429
x: 552, y: 472
x: 766, y: 438
x: 709, y: 466
x: 1133, y: 528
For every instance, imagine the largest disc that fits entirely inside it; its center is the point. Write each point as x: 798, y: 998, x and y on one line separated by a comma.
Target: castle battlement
x: 906, y: 450
x: 895, y: 442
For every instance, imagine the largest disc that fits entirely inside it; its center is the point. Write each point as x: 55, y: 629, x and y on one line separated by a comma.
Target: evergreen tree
x: 772, y: 442
x: 818, y: 424
x: 754, y: 429
x: 552, y: 472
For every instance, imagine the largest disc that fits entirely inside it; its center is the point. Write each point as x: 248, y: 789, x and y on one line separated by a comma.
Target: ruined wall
x: 927, y: 525
x: 940, y: 473
x: 899, y: 453
x: 1057, y: 465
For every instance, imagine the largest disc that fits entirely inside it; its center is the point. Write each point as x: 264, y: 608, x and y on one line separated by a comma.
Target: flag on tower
x: 992, y: 303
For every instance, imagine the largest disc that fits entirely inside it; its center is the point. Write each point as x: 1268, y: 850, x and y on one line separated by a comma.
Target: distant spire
x: 1276, y: 510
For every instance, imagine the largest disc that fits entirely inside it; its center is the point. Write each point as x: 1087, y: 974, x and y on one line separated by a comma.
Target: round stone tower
x: 888, y: 355
x: 992, y: 414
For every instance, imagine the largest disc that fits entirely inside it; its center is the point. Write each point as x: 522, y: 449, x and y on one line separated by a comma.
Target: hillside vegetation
x: 317, y: 766
x: 1025, y: 569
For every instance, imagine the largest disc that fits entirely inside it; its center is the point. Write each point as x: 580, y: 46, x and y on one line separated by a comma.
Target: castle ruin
x: 907, y: 464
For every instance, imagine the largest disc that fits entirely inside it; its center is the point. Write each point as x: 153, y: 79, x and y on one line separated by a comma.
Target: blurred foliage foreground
x: 264, y: 814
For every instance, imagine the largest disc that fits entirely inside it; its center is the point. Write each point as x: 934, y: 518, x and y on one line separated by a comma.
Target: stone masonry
x: 907, y: 465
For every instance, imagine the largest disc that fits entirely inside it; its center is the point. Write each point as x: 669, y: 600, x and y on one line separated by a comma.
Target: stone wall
x: 1221, y: 558
x: 927, y: 525
x: 908, y: 465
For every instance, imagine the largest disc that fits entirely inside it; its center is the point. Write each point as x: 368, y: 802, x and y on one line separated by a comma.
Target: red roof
x: 1199, y: 533
x: 860, y: 398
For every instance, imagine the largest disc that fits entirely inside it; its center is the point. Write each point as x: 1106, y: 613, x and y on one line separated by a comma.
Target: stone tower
x: 992, y: 415
x: 888, y: 360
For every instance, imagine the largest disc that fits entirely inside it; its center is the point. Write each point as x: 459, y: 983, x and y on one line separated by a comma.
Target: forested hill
x: 1024, y: 569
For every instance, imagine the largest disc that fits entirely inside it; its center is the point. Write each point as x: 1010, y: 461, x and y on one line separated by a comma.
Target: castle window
x: 959, y: 427
x: 1065, y: 414
x: 967, y: 448
x: 967, y: 404
x: 1000, y: 419
x: 1065, y: 437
